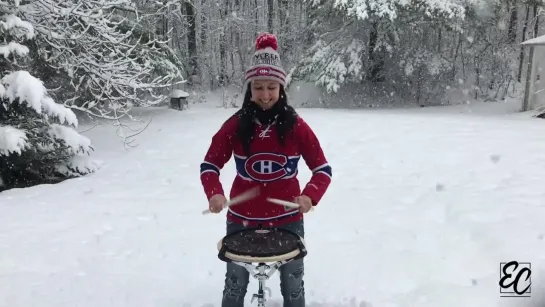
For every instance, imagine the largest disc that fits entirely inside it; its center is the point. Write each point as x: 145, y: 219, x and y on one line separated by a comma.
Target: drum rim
x: 247, y: 258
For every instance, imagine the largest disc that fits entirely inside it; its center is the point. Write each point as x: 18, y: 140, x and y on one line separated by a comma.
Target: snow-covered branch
x: 12, y: 140
x: 108, y: 58
x: 389, y: 9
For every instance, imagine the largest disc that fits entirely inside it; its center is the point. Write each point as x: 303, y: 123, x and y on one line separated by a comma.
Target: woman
x: 267, y: 138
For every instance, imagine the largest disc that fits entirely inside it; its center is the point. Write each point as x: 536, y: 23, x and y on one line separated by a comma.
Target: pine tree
x: 38, y: 143
x: 384, y: 44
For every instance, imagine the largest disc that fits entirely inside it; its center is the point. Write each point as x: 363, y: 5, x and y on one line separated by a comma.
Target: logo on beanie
x: 267, y: 58
x: 263, y: 71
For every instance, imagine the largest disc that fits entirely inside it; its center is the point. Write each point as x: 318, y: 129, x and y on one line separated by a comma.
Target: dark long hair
x: 284, y: 114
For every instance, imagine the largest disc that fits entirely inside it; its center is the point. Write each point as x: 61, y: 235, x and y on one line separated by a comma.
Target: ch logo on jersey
x: 266, y: 166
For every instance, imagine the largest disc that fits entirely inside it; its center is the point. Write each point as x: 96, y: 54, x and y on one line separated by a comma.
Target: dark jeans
x: 291, y: 276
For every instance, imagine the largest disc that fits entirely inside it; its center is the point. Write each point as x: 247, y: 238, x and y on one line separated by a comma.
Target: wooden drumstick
x: 285, y: 203
x: 238, y: 199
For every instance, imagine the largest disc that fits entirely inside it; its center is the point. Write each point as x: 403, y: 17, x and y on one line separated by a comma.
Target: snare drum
x: 261, y: 245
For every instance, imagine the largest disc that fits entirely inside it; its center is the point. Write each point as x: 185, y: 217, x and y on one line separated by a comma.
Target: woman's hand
x: 304, y: 202
x: 216, y: 203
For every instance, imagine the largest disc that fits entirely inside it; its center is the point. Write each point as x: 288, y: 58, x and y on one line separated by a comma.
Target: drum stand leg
x: 262, y: 276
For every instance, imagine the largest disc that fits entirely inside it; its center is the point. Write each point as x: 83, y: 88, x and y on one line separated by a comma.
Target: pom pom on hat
x: 265, y: 40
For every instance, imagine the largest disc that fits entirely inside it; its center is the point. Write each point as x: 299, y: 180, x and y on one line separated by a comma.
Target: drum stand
x: 276, y: 246
x: 261, y: 276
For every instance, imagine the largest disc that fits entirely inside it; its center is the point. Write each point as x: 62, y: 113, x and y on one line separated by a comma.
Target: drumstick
x: 288, y: 204
x: 238, y: 199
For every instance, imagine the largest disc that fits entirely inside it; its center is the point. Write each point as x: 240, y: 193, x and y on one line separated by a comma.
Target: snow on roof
x: 540, y: 40
x: 179, y: 94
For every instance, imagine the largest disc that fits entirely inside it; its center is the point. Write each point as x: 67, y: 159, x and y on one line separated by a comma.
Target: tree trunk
x: 512, y: 32
x: 521, y: 58
x: 223, y: 56
x: 191, y: 39
x: 375, y: 60
x: 270, y: 23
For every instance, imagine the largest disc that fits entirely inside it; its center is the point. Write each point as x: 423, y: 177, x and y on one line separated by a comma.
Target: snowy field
x: 423, y: 207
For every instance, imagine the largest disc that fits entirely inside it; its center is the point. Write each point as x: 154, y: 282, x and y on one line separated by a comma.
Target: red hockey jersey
x: 270, y: 166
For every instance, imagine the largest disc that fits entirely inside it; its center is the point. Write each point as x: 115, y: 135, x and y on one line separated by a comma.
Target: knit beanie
x: 266, y: 64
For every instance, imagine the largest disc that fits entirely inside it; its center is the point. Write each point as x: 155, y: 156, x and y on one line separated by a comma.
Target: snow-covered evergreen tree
x: 362, y: 39
x: 415, y: 51
x: 38, y: 143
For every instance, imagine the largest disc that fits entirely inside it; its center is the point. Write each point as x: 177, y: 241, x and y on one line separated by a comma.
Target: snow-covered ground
x: 424, y: 205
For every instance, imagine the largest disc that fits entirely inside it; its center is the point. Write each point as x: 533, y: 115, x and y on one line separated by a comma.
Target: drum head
x: 261, y: 245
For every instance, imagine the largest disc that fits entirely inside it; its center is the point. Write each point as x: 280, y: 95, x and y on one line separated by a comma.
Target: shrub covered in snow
x: 38, y: 143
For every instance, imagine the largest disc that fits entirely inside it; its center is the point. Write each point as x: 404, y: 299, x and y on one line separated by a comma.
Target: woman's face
x: 265, y: 93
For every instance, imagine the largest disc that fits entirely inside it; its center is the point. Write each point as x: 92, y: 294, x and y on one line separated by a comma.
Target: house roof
x: 536, y: 41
